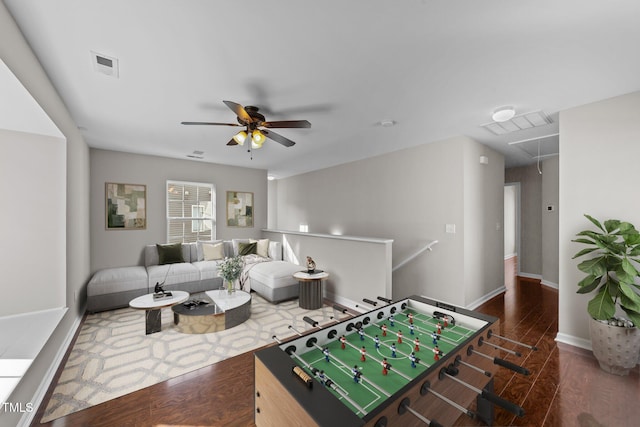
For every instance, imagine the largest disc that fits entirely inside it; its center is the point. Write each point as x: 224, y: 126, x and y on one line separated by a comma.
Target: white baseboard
x: 477, y: 303
x: 38, y: 397
x: 574, y: 341
x: 549, y: 284
x: 354, y: 306
x: 530, y: 276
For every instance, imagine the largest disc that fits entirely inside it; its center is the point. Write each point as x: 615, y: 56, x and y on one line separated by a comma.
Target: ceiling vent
x: 523, y: 121
x: 105, y: 64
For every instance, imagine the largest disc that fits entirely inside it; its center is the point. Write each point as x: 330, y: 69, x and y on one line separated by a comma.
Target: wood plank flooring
x: 566, y: 387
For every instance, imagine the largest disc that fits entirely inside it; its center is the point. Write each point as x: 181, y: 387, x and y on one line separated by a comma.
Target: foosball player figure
x: 343, y: 340
x: 445, y: 319
x: 356, y: 374
x: 410, y: 316
x: 361, y: 332
x: 412, y: 358
x: 392, y: 321
x: 436, y: 353
x: 411, y: 329
x: 416, y: 344
x: 384, y: 330
x: 439, y: 326
x: 326, y: 354
x: 363, y: 352
x: 399, y: 337
x: 434, y: 338
x: 393, y: 350
x: 376, y: 340
x: 322, y: 377
x: 385, y: 366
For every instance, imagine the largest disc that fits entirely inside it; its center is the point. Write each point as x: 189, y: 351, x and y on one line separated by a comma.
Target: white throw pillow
x: 262, y: 247
x: 204, y: 242
x: 213, y: 251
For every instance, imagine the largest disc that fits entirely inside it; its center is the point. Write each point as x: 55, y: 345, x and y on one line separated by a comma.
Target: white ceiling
x: 438, y: 69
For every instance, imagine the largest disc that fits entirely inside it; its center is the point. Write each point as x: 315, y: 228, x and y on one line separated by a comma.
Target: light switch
x: 450, y: 228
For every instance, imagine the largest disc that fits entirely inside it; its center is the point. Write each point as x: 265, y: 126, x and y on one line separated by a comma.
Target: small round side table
x: 310, y: 289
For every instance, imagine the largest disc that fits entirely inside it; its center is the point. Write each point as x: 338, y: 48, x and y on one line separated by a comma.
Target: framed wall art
x: 239, y: 209
x: 126, y: 206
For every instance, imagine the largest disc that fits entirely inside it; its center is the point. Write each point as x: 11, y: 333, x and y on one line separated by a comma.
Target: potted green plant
x: 611, y: 273
x: 230, y: 270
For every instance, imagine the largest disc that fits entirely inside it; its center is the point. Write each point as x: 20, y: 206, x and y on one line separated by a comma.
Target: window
x: 190, y: 212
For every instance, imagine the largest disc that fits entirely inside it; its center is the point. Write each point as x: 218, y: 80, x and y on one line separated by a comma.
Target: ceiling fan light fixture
x: 240, y: 137
x: 503, y: 114
x: 257, y: 139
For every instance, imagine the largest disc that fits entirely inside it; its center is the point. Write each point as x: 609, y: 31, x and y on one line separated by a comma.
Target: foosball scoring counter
x: 410, y: 362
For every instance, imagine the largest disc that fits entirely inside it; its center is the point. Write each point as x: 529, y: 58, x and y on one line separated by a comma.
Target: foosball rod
x: 458, y: 360
x: 344, y: 310
x: 482, y: 341
x: 404, y: 406
x: 376, y: 386
x: 531, y: 347
x: 500, y: 362
x: 450, y: 372
x: 329, y: 383
x: 387, y: 300
x: 426, y: 388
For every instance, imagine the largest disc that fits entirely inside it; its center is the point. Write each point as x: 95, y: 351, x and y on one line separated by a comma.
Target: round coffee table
x: 226, y: 311
x: 310, y: 285
x: 153, y: 319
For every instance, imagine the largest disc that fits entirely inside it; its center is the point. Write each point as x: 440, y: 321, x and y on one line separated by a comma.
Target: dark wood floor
x: 566, y: 387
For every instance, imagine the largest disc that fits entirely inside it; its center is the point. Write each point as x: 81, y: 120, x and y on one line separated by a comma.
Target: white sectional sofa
x: 271, y: 277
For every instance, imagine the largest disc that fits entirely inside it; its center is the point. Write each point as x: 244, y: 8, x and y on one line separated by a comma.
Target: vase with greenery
x: 611, y: 273
x: 230, y: 270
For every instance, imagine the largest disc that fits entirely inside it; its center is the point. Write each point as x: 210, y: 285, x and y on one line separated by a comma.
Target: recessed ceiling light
x: 387, y: 123
x: 503, y: 114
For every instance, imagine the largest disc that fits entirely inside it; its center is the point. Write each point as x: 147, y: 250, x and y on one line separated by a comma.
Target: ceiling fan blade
x: 278, y: 138
x: 287, y: 124
x: 232, y: 142
x: 239, y: 110
x: 210, y: 123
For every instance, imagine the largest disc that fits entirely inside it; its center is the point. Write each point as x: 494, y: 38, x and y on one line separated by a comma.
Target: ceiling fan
x: 256, y: 126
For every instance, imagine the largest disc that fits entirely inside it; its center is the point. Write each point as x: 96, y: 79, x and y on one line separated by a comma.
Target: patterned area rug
x: 113, y: 357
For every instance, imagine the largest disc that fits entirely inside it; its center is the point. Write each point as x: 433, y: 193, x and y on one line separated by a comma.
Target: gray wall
x: 18, y: 56
x: 409, y: 196
x: 599, y: 176
x: 117, y: 248
x: 550, y: 221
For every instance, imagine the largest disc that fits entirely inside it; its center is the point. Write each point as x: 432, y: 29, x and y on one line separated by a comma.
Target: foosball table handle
x: 516, y: 368
x: 505, y: 404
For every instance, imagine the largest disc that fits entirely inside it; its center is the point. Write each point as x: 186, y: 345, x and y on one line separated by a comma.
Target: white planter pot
x: 616, y: 348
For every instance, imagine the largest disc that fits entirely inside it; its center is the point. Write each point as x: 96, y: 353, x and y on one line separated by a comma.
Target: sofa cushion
x: 170, y: 254
x: 200, y: 248
x: 169, y: 274
x: 235, y: 243
x: 262, y: 247
x: 208, y: 269
x: 212, y: 252
x: 151, y: 253
x: 247, y: 248
x: 119, y: 279
x: 275, y: 274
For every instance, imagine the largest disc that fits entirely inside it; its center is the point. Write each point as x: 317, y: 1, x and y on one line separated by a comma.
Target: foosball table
x: 410, y: 362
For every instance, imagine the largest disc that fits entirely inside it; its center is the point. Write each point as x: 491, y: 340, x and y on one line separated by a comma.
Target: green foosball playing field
x: 365, y: 387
